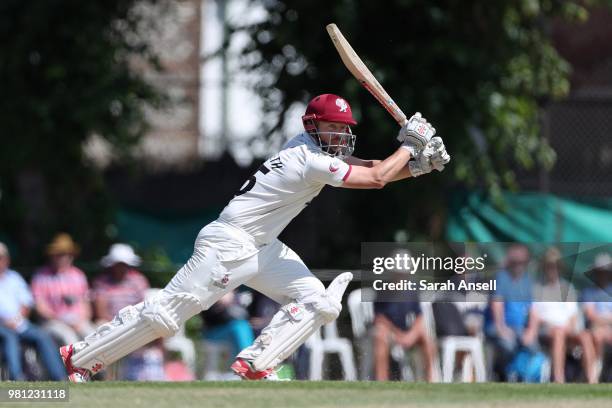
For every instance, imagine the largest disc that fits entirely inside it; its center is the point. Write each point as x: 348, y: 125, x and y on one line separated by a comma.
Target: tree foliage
x: 65, y: 69
x: 479, y: 70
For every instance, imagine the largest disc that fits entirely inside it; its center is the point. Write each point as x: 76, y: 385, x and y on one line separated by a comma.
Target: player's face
x: 337, y: 127
x: 329, y: 132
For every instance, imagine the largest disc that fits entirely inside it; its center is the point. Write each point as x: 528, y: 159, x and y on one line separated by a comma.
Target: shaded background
x: 137, y: 121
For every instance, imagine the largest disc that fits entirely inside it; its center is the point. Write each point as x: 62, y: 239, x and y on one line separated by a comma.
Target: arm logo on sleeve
x: 333, y: 168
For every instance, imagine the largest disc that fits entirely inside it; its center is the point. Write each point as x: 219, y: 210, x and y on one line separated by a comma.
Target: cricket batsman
x: 241, y: 247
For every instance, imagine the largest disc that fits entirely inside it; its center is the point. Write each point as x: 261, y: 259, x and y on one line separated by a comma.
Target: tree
x: 66, y: 75
x: 480, y: 71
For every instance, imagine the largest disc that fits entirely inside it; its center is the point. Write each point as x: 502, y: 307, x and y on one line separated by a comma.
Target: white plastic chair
x: 430, y: 326
x: 472, y: 345
x: 330, y: 343
x: 362, y: 313
x: 449, y: 346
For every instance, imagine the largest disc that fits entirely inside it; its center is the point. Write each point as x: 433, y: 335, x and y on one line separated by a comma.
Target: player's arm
x: 355, y: 161
x: 321, y: 168
x: 417, y: 142
x: 379, y: 174
x: 414, y: 136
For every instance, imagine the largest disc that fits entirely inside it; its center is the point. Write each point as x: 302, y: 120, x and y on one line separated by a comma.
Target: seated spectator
x: 598, y: 306
x: 391, y: 323
x: 121, y: 285
x: 510, y: 323
x: 556, y: 309
x: 227, y: 321
x: 61, y: 293
x: 468, y: 307
x: 15, y: 304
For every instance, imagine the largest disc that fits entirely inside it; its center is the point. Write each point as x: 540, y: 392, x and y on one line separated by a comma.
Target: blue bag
x: 526, y: 366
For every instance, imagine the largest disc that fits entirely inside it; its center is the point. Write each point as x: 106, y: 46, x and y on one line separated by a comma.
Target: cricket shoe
x: 75, y: 374
x: 244, y: 369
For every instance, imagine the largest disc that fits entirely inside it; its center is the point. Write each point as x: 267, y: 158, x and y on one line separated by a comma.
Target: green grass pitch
x: 326, y: 394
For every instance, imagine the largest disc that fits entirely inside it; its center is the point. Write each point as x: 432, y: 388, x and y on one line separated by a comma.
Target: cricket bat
x: 356, y: 66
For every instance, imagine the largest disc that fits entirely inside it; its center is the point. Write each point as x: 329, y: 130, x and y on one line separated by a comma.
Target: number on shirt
x: 250, y: 183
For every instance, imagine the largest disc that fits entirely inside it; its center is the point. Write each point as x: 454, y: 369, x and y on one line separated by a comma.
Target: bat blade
x: 359, y: 70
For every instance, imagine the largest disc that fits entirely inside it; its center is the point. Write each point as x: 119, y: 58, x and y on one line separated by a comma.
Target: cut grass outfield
x: 326, y: 394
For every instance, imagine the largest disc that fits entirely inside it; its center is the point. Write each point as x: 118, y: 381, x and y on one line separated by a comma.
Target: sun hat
x: 120, y: 253
x: 62, y: 244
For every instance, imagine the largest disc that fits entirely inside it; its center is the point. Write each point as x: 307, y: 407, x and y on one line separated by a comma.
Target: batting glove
x: 415, y: 134
x: 440, y: 157
x: 433, y: 156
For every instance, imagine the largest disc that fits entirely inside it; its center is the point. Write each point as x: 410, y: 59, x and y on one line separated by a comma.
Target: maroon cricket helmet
x: 330, y: 108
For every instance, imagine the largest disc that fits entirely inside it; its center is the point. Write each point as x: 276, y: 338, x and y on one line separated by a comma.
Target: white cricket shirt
x: 282, y: 187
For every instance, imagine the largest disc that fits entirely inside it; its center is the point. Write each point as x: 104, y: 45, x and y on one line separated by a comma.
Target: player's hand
x: 433, y: 156
x: 422, y: 162
x: 440, y: 157
x: 415, y: 134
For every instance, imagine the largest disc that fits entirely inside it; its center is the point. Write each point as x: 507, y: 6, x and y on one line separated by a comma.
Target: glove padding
x: 440, y: 157
x: 415, y: 134
x: 433, y: 156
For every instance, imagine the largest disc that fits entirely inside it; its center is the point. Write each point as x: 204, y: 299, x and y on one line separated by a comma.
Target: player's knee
x: 326, y: 306
x: 309, y: 288
x: 160, y: 319
x: 204, y: 276
x: 166, y: 313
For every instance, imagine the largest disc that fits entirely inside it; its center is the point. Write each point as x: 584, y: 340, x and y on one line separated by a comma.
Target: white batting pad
x: 302, y: 323
x: 134, y: 327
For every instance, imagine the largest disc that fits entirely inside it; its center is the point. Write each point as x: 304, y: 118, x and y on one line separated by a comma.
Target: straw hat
x: 62, y: 244
x: 120, y: 253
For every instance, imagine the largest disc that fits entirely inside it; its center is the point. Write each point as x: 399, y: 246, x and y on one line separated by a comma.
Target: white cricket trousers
x: 226, y: 257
